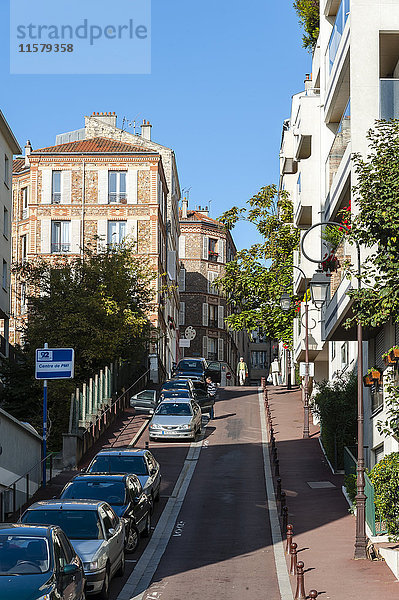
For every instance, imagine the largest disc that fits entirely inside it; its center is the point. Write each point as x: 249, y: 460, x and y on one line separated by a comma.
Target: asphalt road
x: 213, y: 540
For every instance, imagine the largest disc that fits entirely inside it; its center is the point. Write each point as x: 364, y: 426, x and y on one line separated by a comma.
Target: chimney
x: 109, y: 118
x: 146, y: 130
x: 308, y: 82
x: 28, y: 150
x: 203, y: 210
x: 184, y: 208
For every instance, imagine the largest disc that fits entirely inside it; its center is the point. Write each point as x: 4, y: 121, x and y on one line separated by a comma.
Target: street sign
x: 190, y: 333
x: 228, y: 375
x: 184, y: 343
x: 54, y: 363
x: 302, y: 369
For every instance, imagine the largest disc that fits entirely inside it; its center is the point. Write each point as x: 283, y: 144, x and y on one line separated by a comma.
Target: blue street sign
x: 54, y: 363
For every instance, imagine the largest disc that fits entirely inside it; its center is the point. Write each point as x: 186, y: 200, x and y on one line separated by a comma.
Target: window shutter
x: 102, y: 186
x: 205, y: 346
x: 102, y: 234
x: 131, y: 230
x: 182, y: 246
x: 182, y: 313
x: 182, y: 280
x: 172, y: 264
x: 47, y: 175
x: 205, y: 247
x: 75, y: 237
x: 212, y: 275
x: 66, y: 187
x: 45, y: 236
x: 220, y: 349
x: 205, y: 313
x: 221, y: 317
x: 221, y: 249
x: 131, y: 186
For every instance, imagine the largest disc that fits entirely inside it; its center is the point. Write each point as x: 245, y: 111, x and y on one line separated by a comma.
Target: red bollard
x: 290, y: 535
x: 300, y: 582
x: 313, y: 594
x: 263, y: 382
x: 278, y: 489
x: 285, y: 518
x: 282, y: 495
x: 293, y: 556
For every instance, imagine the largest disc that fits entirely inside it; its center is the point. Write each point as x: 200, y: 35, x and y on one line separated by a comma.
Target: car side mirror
x: 153, y: 471
x: 70, y: 569
x: 111, y: 532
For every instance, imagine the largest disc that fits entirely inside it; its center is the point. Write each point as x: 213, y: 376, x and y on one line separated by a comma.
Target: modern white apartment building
x: 354, y: 81
x: 8, y: 147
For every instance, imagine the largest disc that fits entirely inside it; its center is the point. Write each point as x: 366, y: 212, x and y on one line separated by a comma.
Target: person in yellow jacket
x: 242, y: 371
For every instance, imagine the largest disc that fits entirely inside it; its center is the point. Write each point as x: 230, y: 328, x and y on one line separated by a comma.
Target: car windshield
x: 77, y: 524
x: 119, y: 464
x: 146, y: 395
x: 23, y: 555
x: 112, y: 492
x: 176, y: 394
x: 190, y: 365
x: 175, y: 409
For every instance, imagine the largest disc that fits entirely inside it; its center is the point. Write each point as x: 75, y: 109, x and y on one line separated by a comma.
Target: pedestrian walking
x: 242, y: 371
x: 212, y: 389
x: 275, y: 371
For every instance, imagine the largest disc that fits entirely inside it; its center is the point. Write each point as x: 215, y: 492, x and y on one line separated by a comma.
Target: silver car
x: 95, y: 532
x: 176, y: 418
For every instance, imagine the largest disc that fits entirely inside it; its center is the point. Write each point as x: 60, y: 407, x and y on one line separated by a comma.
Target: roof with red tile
x: 198, y: 216
x: 18, y: 165
x: 99, y: 144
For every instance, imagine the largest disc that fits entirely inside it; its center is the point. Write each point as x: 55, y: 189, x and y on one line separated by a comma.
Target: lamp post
x: 285, y: 305
x: 319, y: 289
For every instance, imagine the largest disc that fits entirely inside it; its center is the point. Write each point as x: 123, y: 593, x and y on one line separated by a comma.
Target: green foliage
x: 309, y: 17
x: 97, y: 305
x: 385, y: 477
x: 335, y: 404
x: 255, y: 280
x: 351, y: 487
x: 333, y: 235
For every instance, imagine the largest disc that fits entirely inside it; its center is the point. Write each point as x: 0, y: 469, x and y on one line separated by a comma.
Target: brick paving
x: 323, y: 528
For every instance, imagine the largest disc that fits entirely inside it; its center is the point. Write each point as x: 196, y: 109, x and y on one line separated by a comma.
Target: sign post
x: 54, y: 363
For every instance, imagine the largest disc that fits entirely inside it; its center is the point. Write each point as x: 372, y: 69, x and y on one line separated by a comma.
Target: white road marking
x: 140, y: 579
x: 278, y: 546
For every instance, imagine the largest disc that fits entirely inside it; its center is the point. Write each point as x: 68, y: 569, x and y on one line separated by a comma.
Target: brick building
x: 204, y: 248
x: 97, y: 186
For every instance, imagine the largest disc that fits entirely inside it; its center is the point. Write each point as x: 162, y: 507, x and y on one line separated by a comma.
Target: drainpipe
x: 82, y: 241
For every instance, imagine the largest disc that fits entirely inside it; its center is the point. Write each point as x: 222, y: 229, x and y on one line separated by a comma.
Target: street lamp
x: 285, y: 302
x: 319, y: 285
x: 319, y: 290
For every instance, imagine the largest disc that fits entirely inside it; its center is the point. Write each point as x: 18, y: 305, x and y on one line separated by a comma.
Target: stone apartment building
x: 204, y: 249
x: 95, y: 187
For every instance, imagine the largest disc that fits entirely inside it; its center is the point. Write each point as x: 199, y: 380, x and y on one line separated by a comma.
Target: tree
x: 255, y: 279
x: 309, y: 17
x: 97, y: 305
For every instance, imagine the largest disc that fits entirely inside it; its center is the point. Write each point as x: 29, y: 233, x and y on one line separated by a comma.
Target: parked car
x: 204, y: 401
x: 125, y: 496
x: 175, y: 419
x: 198, y: 369
x: 178, y: 384
x: 145, y: 401
x: 96, y: 534
x: 38, y: 562
x: 132, y: 461
x: 186, y: 394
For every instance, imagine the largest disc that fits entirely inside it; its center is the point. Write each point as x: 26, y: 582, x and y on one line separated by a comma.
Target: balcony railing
x: 338, y: 30
x: 117, y: 198
x: 60, y: 247
x: 56, y: 198
x: 213, y: 323
x: 340, y: 144
x: 389, y: 99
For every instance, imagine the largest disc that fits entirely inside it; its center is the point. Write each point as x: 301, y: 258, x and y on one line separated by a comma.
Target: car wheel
x: 147, y: 529
x: 121, y: 571
x: 104, y: 594
x: 132, y: 539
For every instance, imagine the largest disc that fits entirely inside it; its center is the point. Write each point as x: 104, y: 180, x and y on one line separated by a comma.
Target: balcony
x: 59, y: 247
x: 337, y: 32
x: 338, y: 148
x: 389, y: 99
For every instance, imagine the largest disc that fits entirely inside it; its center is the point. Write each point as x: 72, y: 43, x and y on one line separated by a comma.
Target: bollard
x: 300, y: 582
x: 285, y: 518
x: 263, y: 382
x: 277, y: 468
x: 290, y: 535
x: 147, y: 445
x: 278, y: 489
x: 282, y: 503
x: 313, y: 594
x: 293, y: 557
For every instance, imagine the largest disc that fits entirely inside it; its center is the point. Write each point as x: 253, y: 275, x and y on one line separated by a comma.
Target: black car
x: 198, y: 369
x: 178, y: 384
x: 205, y: 401
x: 123, y: 493
x: 187, y: 394
x: 39, y: 562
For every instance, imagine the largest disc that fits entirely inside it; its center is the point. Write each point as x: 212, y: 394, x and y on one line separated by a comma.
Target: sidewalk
x: 323, y: 528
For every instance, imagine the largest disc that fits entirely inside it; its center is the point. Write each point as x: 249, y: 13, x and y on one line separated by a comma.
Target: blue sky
x: 221, y: 82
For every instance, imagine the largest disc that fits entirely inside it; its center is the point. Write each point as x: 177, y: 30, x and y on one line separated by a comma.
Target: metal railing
x: 375, y: 522
x: 60, y: 246
x: 13, y: 497
x: 389, y: 98
x: 338, y: 30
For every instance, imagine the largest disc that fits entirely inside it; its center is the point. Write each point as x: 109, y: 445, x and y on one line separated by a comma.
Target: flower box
x: 375, y: 374
x: 394, y: 353
x: 367, y: 380
x: 388, y: 360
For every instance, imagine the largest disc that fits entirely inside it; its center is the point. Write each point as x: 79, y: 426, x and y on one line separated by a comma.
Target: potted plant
x: 367, y: 380
x: 394, y: 353
x: 330, y: 264
x: 375, y: 374
x: 387, y: 359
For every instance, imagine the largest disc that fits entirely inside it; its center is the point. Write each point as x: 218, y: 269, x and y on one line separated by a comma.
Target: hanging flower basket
x: 375, y: 374
x: 330, y: 264
x: 394, y: 353
x: 388, y: 360
x: 367, y: 380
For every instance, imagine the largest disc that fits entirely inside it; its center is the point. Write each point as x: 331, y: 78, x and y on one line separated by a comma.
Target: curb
x: 139, y: 433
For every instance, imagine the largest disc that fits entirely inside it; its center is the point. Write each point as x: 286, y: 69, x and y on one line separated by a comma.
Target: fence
x: 376, y: 524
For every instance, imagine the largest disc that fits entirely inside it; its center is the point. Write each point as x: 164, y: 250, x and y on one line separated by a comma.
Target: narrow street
x: 213, y: 525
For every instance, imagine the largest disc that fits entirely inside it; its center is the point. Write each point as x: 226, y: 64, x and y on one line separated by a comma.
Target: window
x: 4, y: 281
x: 24, y: 202
x: 60, y: 236
x: 212, y: 275
x: 378, y: 453
x: 117, y: 187
x: 377, y: 397
x: 344, y: 355
x: 258, y: 359
x: 6, y: 170
x: 213, y: 315
x: 212, y: 250
x: 56, y: 187
x: 116, y: 232
x: 59, y: 553
x: 182, y: 280
x: 212, y: 349
x: 298, y: 185
x: 23, y: 298
x: 5, y: 223
x: 24, y: 247
x: 182, y: 313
